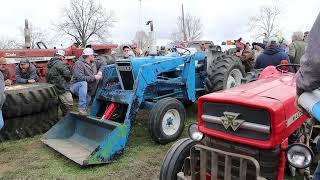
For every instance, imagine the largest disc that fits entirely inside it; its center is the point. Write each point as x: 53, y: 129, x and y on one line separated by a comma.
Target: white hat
x: 87, y: 52
x: 272, y: 40
x: 60, y: 52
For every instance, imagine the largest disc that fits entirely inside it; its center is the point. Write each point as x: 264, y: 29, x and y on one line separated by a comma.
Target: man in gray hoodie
x: 308, y: 76
x: 2, y: 98
x: 85, y: 79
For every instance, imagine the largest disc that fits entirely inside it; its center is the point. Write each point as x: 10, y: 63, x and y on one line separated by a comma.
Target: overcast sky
x: 221, y: 20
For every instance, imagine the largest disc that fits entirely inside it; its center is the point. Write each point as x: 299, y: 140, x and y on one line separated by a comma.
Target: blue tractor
x: 162, y: 84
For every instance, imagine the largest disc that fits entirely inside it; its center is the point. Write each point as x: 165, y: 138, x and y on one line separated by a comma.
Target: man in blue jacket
x: 271, y: 56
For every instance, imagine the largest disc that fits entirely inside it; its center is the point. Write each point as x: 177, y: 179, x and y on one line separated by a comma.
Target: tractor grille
x: 254, y: 123
x: 125, y: 73
x: 220, y: 159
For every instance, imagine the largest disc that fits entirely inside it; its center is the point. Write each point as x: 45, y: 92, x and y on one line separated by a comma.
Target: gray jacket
x: 83, y: 71
x: 23, y: 78
x: 308, y: 76
x: 2, y: 95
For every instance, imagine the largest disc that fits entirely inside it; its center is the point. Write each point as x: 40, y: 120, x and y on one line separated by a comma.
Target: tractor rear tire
x: 28, y: 126
x: 225, y: 72
x: 173, y: 162
x: 22, y: 100
x: 251, y: 76
x: 167, y: 120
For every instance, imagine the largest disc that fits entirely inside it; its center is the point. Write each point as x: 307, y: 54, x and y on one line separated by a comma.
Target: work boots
x: 83, y: 112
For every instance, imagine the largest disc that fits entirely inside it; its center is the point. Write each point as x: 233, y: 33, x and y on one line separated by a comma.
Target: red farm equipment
x: 242, y: 133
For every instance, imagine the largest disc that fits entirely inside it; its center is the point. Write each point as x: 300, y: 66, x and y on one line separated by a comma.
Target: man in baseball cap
x: 59, y: 74
x: 5, y: 71
x: 245, y: 53
x: 26, y: 72
x: 86, y: 76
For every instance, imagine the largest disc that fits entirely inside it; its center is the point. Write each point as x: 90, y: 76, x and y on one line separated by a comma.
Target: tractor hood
x: 268, y: 103
x: 279, y: 87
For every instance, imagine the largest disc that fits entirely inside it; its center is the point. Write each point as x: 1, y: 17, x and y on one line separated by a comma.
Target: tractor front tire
x: 225, y: 72
x: 174, y: 160
x: 167, y: 120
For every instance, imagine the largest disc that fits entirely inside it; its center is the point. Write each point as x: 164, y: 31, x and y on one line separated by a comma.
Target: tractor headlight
x: 299, y: 155
x: 194, y: 133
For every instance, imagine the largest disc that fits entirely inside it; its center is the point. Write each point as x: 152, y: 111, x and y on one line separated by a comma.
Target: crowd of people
x: 83, y: 78
x: 271, y: 52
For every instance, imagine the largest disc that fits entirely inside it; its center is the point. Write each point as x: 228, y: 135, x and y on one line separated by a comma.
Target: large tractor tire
x: 173, y: 162
x: 22, y: 100
x: 167, y: 120
x: 225, y: 72
x: 29, y: 125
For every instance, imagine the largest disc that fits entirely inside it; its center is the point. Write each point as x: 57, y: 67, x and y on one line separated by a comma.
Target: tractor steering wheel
x: 284, y: 68
x: 184, y: 53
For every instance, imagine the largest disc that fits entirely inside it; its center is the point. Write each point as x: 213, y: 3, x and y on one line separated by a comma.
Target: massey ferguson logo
x: 124, y: 68
x: 230, y: 119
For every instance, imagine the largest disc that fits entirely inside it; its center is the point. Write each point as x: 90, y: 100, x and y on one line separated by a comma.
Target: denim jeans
x: 1, y: 120
x: 81, y: 89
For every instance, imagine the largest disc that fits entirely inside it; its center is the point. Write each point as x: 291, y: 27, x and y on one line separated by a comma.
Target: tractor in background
x: 243, y: 133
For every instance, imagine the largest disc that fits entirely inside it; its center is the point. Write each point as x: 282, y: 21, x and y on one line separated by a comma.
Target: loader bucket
x: 87, y: 140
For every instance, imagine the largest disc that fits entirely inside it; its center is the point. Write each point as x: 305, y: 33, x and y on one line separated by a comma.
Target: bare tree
x: 9, y: 43
x: 142, y: 40
x: 266, y: 23
x: 85, y: 19
x: 193, y: 27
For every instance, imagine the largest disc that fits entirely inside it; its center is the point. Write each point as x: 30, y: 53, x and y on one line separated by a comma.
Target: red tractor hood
x: 274, y: 94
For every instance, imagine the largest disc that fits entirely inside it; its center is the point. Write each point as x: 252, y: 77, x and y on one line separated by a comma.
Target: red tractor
x: 243, y: 133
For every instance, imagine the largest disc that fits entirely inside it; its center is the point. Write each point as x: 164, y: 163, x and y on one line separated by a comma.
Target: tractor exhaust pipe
x: 27, y: 37
x: 152, y: 37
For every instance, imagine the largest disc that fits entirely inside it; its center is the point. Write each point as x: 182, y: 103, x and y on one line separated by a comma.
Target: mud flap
x: 87, y: 140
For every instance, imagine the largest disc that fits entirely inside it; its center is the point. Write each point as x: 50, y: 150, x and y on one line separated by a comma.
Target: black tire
x: 173, y: 161
x: 219, y: 71
x: 28, y: 99
x: 156, y: 116
x: 251, y: 76
x: 28, y: 126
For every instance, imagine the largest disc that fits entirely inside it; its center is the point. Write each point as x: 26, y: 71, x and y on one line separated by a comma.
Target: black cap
x: 24, y: 61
